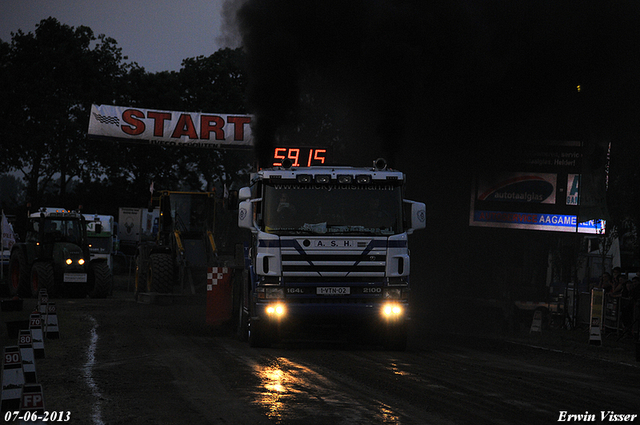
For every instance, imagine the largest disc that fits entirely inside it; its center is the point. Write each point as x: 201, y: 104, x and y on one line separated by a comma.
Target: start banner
x: 170, y: 128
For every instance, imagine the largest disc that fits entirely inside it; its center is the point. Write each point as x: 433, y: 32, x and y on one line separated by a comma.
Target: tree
x: 11, y: 191
x: 49, y: 80
x: 211, y: 84
x: 217, y: 84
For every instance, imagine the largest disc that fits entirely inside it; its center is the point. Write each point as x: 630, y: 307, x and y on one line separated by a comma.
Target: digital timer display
x: 300, y: 157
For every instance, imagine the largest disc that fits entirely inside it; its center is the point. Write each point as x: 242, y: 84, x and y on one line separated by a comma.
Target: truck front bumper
x: 391, y: 311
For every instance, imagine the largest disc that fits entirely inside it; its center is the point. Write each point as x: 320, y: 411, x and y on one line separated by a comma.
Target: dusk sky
x: 157, y: 34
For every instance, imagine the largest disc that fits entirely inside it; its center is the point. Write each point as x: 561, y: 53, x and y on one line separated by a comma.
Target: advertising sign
x: 170, y: 128
x: 536, y: 188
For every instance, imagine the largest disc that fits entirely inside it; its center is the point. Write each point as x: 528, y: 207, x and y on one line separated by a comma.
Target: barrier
x: 219, y: 295
x: 12, y: 378
x: 51, y: 322
x: 28, y: 357
x: 595, y: 324
x: 32, y: 404
x: 536, y: 323
x: 611, y: 313
x: 37, y: 337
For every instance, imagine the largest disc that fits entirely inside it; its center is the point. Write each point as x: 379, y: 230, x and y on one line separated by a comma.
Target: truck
x: 102, y: 236
x: 136, y: 225
x: 55, y: 256
x: 329, y: 246
x: 194, y: 234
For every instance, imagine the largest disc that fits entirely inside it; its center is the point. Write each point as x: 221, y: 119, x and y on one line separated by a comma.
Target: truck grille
x: 347, y: 264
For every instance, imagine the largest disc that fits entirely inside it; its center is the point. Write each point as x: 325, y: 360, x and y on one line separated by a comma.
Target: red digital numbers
x: 300, y: 157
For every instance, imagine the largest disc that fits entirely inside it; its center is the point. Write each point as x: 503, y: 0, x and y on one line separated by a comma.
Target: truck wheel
x: 161, y: 273
x: 18, y: 274
x: 240, y: 300
x: 102, y: 280
x: 242, y: 327
x: 259, y: 336
x: 42, y: 278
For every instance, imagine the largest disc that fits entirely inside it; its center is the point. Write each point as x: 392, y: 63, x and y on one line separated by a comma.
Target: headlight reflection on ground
x: 278, y: 388
x: 291, y: 391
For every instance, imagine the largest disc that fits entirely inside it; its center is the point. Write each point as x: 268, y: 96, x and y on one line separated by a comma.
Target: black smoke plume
x: 366, y: 66
x: 441, y: 88
x: 390, y: 75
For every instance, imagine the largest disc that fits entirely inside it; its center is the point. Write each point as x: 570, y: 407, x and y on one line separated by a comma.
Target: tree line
x: 49, y: 79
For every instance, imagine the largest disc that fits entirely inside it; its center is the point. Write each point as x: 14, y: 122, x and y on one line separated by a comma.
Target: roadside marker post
x: 32, y: 401
x: 51, y: 322
x: 595, y: 324
x: 43, y: 299
x: 28, y: 357
x: 536, y: 323
x: 37, y: 337
x: 12, y: 378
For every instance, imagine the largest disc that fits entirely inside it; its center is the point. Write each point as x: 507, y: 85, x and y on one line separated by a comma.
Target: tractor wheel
x: 18, y: 274
x: 161, y: 273
x: 102, y: 280
x: 42, y: 278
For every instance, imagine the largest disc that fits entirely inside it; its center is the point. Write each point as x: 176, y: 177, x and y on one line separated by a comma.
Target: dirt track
x: 121, y: 362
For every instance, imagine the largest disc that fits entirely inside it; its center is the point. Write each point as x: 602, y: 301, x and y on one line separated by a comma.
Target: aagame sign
x: 535, y: 188
x: 170, y: 127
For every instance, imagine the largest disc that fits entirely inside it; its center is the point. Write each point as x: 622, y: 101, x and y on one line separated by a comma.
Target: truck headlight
x: 276, y: 310
x: 392, y: 310
x: 81, y: 261
x: 69, y: 261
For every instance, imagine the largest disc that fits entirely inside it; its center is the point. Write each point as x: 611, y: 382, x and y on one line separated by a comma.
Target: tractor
x: 55, y: 256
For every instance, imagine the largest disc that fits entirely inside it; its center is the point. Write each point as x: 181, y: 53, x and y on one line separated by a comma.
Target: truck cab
x: 329, y: 244
x: 102, y: 237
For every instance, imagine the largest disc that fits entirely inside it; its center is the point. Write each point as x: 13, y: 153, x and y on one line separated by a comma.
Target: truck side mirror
x: 244, y: 194
x: 417, y: 215
x: 98, y: 227
x: 245, y: 214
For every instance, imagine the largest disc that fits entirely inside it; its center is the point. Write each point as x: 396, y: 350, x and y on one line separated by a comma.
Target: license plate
x: 75, y: 277
x: 333, y: 290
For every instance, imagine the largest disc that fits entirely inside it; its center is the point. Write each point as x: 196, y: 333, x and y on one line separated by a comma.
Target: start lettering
x: 185, y: 126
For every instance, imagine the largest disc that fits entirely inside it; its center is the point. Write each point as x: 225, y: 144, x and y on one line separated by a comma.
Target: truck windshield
x: 332, y: 209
